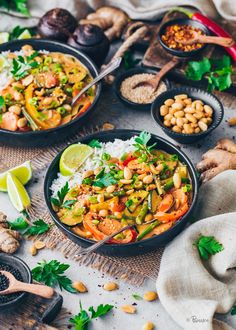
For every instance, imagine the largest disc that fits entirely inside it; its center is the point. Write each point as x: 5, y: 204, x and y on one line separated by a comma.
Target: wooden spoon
x: 198, y: 38
x: 16, y: 286
x: 154, y: 82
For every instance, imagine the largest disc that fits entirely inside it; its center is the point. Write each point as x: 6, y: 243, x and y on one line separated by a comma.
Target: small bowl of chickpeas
x: 187, y: 114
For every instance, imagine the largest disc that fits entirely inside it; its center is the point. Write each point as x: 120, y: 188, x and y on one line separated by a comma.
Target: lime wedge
x: 4, y: 37
x: 17, y: 193
x: 73, y: 157
x: 25, y: 35
x: 23, y: 173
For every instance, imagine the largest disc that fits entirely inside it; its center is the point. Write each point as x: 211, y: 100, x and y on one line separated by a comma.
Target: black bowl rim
x: 119, y: 133
x: 182, y: 21
x: 45, y: 42
x: 26, y: 267
x: 156, y: 113
x: 123, y: 75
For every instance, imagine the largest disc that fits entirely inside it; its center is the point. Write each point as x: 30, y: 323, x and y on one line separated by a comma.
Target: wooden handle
x: 166, y: 68
x: 225, y: 42
x: 38, y: 289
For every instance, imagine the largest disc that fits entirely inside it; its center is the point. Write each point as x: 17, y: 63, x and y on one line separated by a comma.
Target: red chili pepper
x: 212, y: 26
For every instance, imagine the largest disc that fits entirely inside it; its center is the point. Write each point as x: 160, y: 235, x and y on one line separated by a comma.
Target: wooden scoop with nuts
x: 203, y: 39
x: 17, y: 286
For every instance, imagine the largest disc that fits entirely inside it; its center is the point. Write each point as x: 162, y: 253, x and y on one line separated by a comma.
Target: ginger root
x: 112, y: 20
x: 217, y: 160
x: 9, y: 239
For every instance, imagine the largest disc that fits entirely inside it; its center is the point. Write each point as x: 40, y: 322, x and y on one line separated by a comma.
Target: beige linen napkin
x: 192, y: 290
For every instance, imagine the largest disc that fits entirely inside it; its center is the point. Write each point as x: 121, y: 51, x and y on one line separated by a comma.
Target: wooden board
x: 33, y: 313
x: 155, y: 56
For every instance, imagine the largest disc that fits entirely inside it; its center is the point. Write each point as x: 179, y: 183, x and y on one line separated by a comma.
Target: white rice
x: 115, y: 149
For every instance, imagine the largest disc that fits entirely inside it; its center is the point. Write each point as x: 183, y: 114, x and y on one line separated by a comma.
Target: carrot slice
x: 173, y: 216
x: 166, y: 203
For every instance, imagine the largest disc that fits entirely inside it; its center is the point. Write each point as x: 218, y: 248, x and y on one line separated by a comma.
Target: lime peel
x: 23, y: 172
x: 17, y: 193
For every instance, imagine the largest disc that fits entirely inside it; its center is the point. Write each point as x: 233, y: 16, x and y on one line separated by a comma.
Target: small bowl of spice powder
x: 20, y: 271
x: 142, y: 97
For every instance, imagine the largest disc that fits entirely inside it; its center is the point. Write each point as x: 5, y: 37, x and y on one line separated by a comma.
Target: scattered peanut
x: 87, y: 174
x: 80, y: 287
x: 128, y: 309
x: 148, y: 179
x: 100, y: 198
x: 110, y: 189
x: 110, y: 286
x: 33, y: 251
x: 124, y: 181
x: 22, y: 122
x: 127, y: 173
x: 232, y: 121
x: 183, y: 115
x: 149, y: 326
x: 150, y: 296
x: 39, y: 245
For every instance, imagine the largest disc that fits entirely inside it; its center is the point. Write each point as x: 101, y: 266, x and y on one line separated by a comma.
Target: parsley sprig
x: 216, y: 71
x: 207, y: 246
x: 22, y: 65
x: 60, y: 195
x: 38, y: 227
x: 52, y: 273
x: 104, y: 179
x: 95, y: 144
x: 82, y: 319
x: 141, y: 142
x: 15, y: 5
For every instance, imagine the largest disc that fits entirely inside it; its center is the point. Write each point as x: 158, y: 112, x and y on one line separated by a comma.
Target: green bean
x: 148, y: 229
x: 142, y: 213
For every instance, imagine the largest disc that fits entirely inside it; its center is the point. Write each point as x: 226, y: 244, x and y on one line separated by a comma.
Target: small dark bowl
x: 50, y: 136
x: 194, y: 93
x: 135, y: 248
x: 25, y: 273
x: 182, y: 21
x: 126, y: 74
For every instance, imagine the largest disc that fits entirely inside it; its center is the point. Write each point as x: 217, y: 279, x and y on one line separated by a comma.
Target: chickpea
x: 169, y: 102
x: 16, y: 109
x: 164, y: 109
x: 168, y: 117
x: 180, y: 122
x: 179, y: 114
x: 22, y: 122
x: 167, y: 123
x: 177, y: 106
x: 176, y: 129
x: 173, y: 121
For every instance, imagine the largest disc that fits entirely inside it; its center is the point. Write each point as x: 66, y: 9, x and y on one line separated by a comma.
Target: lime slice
x: 4, y: 37
x: 23, y: 172
x: 17, y: 193
x: 73, y: 157
x: 25, y: 35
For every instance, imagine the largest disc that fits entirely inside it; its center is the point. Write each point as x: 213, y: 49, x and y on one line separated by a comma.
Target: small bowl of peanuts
x: 187, y: 114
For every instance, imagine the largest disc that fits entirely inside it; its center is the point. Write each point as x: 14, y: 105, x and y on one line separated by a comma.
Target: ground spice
x: 4, y: 282
x: 141, y: 94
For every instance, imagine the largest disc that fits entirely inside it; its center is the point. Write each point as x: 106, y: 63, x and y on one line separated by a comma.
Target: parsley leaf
x: 39, y: 227
x: 95, y: 144
x: 81, y: 320
x: 61, y: 195
x: 141, y: 143
x: 16, y: 5
x: 137, y: 296
x: 207, y: 246
x: 233, y: 311
x: 2, y: 102
x: 52, y: 274
x: 21, y: 65
x: 104, y: 179
x: 196, y: 69
x: 18, y: 224
x: 67, y: 204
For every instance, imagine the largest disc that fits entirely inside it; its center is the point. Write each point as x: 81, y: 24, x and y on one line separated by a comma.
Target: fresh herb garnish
x: 137, y: 296
x: 61, y: 195
x: 16, y: 5
x: 21, y: 65
x: 187, y: 188
x: 68, y: 203
x: 18, y: 224
x: 104, y: 179
x: 38, y: 227
x: 174, y: 157
x: 216, y: 71
x: 2, y: 103
x: 52, y: 273
x: 129, y: 202
x: 82, y: 319
x: 207, y: 246
x: 233, y: 310
x: 141, y: 143
x: 129, y: 61
x: 95, y: 144
x: 87, y: 181
x: 17, y: 31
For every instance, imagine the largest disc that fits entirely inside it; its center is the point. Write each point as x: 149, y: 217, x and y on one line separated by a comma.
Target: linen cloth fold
x: 190, y: 289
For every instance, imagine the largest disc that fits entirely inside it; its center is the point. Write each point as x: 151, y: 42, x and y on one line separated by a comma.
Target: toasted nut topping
x: 128, y: 309
x: 148, y: 326
x: 129, y: 192
x: 124, y: 181
x: 33, y: 251
x: 39, y: 245
x: 150, y: 296
x: 110, y: 286
x: 97, y: 170
x: 108, y: 126
x: 127, y: 173
x: 100, y: 198
x: 110, y: 189
x: 148, y: 179
x: 87, y: 174
x: 80, y: 287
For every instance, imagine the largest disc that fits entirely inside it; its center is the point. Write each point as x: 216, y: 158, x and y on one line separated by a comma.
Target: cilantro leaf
x: 39, y: 227
x: 233, y: 311
x: 2, y: 102
x: 104, y: 179
x: 68, y: 203
x: 137, y: 296
x: 61, y: 195
x: 207, y: 246
x: 196, y: 69
x: 95, y: 144
x: 52, y: 274
x: 100, y: 311
x: 21, y: 65
x: 18, y: 224
x: 143, y: 138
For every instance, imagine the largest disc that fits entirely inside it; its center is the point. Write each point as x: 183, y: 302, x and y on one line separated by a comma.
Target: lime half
x: 4, y: 37
x: 23, y: 173
x: 25, y: 35
x: 17, y: 193
x: 73, y: 157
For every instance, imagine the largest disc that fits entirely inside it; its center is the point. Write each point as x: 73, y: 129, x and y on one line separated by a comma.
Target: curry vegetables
x: 146, y: 187
x: 37, y: 88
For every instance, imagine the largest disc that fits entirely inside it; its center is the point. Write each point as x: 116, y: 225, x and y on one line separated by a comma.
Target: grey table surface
x: 112, y: 111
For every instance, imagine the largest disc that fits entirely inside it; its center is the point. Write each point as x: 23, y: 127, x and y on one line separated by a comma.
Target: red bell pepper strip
x: 212, y: 26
